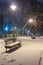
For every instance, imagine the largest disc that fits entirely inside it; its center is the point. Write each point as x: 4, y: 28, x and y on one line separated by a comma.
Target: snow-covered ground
x: 30, y: 53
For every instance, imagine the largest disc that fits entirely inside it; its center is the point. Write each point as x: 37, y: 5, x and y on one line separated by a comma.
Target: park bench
x: 33, y: 37
x: 10, y: 43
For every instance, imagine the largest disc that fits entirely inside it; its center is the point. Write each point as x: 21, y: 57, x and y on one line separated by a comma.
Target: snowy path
x: 29, y: 54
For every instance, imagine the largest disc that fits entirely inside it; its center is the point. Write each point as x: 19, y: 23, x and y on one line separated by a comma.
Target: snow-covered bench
x: 11, y: 43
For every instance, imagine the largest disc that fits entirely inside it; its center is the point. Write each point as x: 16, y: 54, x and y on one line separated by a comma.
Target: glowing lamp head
x: 13, y: 7
x: 30, y: 20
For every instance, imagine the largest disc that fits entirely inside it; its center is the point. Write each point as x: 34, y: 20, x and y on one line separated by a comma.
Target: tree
x: 1, y: 21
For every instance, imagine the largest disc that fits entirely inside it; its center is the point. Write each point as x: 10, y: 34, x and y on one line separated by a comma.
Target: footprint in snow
x: 2, y: 53
x: 2, y: 64
x: 10, y: 61
x: 6, y: 55
x: 4, y: 59
x: 20, y: 64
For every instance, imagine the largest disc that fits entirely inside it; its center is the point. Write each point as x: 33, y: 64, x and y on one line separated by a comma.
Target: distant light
x: 13, y: 7
x: 15, y: 27
x: 6, y: 28
x: 30, y: 20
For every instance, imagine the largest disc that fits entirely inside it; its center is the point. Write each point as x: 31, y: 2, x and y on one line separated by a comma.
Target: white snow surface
x: 28, y: 54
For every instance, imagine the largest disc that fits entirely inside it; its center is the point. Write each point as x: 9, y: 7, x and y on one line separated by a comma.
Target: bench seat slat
x: 12, y: 45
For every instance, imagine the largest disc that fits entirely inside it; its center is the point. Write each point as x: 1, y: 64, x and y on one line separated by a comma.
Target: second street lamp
x: 30, y: 20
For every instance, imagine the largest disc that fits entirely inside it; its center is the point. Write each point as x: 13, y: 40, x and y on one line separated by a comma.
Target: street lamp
x: 13, y: 8
x: 30, y: 20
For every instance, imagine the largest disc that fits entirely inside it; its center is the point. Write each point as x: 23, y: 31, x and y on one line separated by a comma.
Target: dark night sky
x: 20, y: 2
x: 15, y: 0
x: 40, y: 0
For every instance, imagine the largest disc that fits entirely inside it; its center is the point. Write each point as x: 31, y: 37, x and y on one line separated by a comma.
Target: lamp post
x: 30, y: 21
x: 13, y: 8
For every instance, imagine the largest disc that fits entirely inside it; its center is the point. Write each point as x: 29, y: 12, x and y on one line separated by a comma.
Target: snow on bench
x: 11, y: 43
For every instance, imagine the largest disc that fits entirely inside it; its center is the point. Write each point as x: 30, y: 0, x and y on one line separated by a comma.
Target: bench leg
x: 20, y: 44
x: 6, y: 49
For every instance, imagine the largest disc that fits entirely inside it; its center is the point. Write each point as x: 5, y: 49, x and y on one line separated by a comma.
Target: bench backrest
x: 10, y: 40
